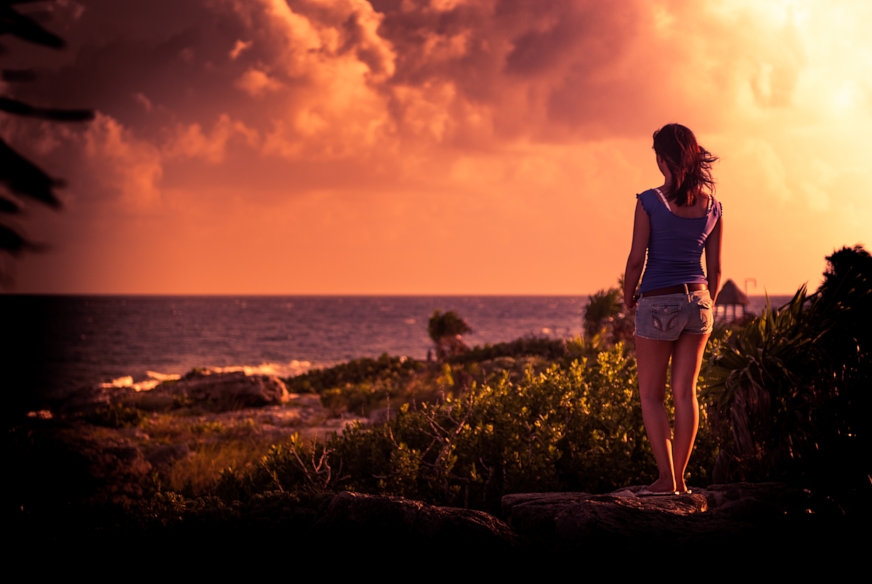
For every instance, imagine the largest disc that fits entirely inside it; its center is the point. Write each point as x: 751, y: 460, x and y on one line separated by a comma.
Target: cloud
x: 239, y: 47
x: 375, y: 88
x: 349, y: 77
x: 143, y: 101
x: 818, y: 199
x: 516, y: 121
x: 255, y: 82
x: 128, y: 167
x: 771, y: 168
x: 190, y: 142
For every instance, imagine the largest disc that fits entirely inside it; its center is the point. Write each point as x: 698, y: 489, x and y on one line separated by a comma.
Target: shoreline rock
x: 221, y: 392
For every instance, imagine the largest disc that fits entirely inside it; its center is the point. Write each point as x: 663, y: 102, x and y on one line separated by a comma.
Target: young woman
x: 674, y: 224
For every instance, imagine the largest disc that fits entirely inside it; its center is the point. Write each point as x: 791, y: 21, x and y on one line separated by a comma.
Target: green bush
x: 551, y: 349
x: 576, y: 428
x: 360, y: 398
x: 386, y: 370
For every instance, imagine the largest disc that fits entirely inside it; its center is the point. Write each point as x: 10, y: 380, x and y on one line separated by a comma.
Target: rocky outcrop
x: 721, y: 516
x: 716, y: 512
x: 377, y: 520
x: 218, y: 391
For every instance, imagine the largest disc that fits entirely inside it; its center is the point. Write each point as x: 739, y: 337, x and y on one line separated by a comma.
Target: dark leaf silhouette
x: 11, y: 242
x: 22, y: 109
x: 24, y: 178
x: 11, y: 22
x: 18, y: 175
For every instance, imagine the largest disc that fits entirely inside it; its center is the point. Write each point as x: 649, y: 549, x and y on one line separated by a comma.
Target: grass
x: 198, y: 473
x: 214, y: 447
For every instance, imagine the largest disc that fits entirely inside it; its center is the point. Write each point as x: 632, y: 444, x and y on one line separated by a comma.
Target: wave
x: 153, y: 378
x: 289, y: 369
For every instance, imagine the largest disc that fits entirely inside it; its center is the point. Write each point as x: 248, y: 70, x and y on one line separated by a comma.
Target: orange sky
x: 435, y: 146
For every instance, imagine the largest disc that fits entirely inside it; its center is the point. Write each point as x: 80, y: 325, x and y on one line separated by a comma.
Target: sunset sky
x: 433, y: 146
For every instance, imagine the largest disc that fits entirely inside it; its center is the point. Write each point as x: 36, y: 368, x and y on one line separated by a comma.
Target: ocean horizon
x: 56, y: 344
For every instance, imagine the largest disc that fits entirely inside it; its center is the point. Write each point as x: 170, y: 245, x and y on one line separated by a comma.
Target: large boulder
x: 219, y: 391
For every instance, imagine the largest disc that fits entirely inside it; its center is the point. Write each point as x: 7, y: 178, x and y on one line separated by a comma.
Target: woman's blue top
x: 676, y: 244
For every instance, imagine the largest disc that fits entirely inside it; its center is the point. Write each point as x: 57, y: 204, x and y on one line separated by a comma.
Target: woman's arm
x: 636, y: 260
x: 713, y: 258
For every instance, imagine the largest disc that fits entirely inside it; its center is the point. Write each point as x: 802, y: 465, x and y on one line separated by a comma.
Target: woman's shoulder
x: 649, y: 200
x: 713, y: 205
x: 650, y: 194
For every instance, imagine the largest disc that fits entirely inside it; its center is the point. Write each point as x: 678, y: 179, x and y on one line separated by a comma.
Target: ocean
x: 52, y: 345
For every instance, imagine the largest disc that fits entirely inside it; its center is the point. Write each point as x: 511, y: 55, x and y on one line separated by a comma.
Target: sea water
x: 52, y: 345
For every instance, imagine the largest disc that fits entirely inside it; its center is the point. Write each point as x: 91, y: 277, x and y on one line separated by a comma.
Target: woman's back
x: 700, y: 208
x: 677, y: 241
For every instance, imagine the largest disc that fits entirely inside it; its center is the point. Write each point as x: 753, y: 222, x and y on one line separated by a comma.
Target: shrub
x: 606, y: 321
x: 575, y: 428
x: 116, y: 416
x: 385, y: 369
x: 551, y: 349
x: 791, y: 387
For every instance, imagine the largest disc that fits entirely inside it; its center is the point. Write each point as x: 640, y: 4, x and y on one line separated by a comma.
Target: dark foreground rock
x: 94, y: 491
x: 354, y: 517
x: 731, y: 525
x: 734, y: 516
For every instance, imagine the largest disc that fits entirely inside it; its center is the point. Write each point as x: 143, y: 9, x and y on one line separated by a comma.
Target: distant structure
x: 731, y: 303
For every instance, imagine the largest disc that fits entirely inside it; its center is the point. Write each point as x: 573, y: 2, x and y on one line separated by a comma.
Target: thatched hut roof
x: 730, y: 294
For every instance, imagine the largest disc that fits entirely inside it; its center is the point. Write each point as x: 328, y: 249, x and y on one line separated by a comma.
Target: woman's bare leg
x: 686, y: 360
x: 652, y: 359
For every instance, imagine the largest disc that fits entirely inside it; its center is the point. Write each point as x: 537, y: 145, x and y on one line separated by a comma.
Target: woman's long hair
x: 689, y: 163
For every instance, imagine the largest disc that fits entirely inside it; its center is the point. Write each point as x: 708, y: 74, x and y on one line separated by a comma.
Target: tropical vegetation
x: 791, y: 389
x: 785, y: 396
x: 446, y: 330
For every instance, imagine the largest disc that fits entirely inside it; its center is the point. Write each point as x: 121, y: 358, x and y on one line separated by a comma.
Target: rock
x: 576, y: 517
x: 85, y: 399
x: 390, y: 521
x: 711, y: 514
x: 220, y: 391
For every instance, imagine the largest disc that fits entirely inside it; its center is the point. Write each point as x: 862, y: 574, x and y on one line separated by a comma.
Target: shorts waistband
x: 679, y: 289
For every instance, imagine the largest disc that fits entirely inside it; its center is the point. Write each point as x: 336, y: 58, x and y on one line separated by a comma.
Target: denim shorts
x: 664, y: 318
